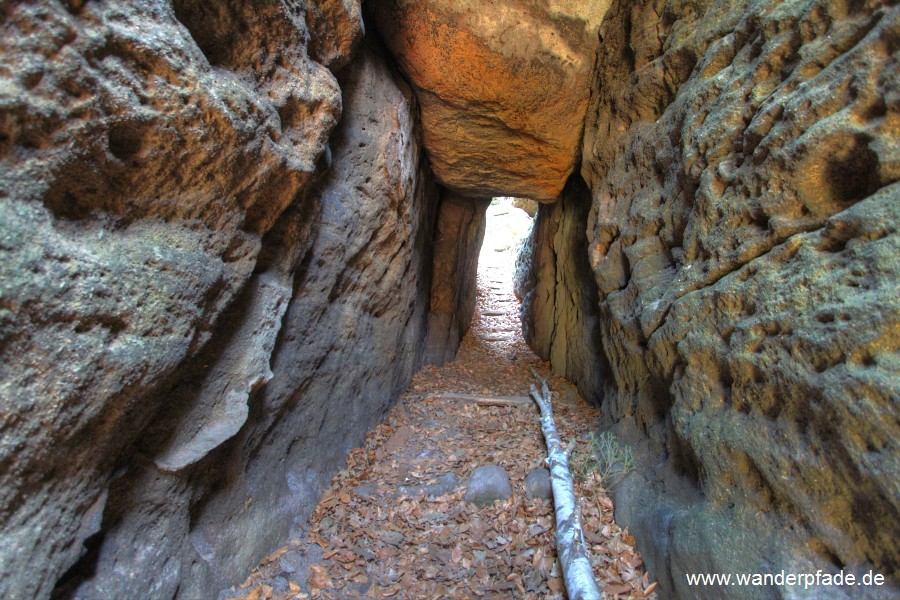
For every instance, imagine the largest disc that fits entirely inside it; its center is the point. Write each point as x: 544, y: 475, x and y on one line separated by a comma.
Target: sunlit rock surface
x: 503, y: 88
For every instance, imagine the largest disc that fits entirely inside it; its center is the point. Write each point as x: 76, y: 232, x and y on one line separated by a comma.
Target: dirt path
x: 394, y: 522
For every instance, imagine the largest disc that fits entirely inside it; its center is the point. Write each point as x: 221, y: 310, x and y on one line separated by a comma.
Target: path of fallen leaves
x: 376, y: 534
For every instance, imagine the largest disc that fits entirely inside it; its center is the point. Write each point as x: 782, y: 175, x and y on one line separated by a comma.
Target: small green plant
x: 604, y: 456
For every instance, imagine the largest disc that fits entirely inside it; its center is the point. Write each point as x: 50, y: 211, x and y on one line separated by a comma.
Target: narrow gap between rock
x: 449, y: 498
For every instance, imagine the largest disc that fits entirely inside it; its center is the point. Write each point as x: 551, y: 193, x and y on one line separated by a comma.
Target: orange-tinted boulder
x: 503, y: 92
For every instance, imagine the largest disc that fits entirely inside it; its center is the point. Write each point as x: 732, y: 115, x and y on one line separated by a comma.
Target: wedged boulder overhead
x: 503, y: 88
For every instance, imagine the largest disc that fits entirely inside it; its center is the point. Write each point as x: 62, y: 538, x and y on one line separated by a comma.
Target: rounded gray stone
x: 537, y: 484
x: 487, y: 484
x: 444, y: 484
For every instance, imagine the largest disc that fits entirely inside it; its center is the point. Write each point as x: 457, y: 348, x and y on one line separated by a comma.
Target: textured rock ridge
x: 503, y: 89
x: 743, y: 159
x: 353, y: 334
x: 457, y: 244
x: 144, y: 152
x: 203, y: 306
x: 555, y: 285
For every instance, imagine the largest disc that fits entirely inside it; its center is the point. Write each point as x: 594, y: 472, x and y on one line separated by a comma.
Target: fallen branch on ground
x: 573, y: 554
x: 487, y: 400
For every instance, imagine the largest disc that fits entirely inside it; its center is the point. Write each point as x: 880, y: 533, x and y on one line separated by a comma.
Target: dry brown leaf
x: 318, y: 577
x: 256, y: 593
x: 618, y: 588
x: 274, y: 556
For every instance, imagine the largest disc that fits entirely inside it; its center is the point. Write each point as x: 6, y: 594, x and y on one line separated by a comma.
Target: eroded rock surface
x: 555, y: 284
x: 196, y: 320
x: 145, y: 150
x: 503, y: 89
x: 743, y: 161
x: 351, y: 337
x: 457, y: 243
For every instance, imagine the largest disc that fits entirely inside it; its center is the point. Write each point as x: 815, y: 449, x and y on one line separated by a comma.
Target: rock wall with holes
x: 209, y: 288
x: 743, y: 160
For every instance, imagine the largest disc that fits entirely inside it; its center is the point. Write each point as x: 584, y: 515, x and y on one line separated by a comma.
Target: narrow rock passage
x: 394, y: 522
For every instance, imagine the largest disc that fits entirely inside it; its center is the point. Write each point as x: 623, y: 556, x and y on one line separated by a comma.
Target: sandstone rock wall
x: 743, y: 160
x: 457, y: 244
x: 203, y: 305
x: 555, y: 285
x: 528, y: 205
x: 140, y: 169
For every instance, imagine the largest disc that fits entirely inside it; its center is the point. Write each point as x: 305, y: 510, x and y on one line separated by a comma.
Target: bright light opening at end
x: 508, y: 224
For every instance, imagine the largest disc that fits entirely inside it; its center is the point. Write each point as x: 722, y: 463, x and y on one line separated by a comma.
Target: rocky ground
x: 396, y: 521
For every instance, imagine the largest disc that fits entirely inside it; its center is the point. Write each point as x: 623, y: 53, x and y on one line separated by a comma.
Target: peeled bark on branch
x: 573, y: 554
